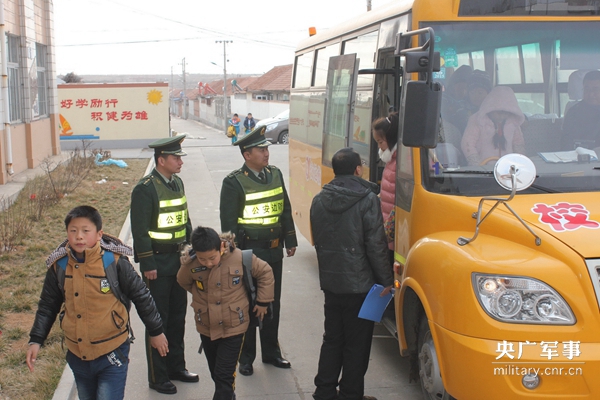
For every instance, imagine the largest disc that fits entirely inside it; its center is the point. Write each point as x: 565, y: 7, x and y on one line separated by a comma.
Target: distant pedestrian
x: 212, y: 260
x: 249, y: 123
x: 91, y: 283
x: 347, y: 229
x: 235, y: 122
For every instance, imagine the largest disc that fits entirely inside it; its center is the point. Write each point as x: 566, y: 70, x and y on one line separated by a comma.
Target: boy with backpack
x: 213, y: 271
x: 91, y: 283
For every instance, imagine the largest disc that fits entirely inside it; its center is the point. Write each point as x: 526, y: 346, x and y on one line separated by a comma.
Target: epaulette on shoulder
x: 147, y: 180
x: 272, y: 168
x: 232, y: 174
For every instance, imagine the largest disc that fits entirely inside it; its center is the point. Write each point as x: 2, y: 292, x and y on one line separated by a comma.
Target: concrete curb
x: 66, y: 389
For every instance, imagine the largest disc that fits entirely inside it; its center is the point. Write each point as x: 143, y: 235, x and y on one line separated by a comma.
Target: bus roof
x: 387, y: 11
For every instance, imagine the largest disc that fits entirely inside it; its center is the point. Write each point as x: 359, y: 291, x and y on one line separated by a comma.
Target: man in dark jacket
x: 347, y: 229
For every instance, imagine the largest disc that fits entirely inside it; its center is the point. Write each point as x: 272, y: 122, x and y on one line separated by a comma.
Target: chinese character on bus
x: 565, y: 216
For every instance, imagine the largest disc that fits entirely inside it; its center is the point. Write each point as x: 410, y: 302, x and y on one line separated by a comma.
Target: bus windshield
x: 517, y: 87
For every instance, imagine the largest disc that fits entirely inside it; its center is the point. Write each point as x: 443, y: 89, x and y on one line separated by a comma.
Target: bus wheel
x: 429, y: 368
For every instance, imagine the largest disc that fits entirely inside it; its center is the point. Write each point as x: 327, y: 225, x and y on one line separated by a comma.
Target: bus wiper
x: 545, y: 189
x: 466, y: 171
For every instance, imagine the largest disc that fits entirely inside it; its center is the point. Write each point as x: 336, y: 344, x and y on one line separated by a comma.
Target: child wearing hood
x: 494, y: 130
x: 385, y: 133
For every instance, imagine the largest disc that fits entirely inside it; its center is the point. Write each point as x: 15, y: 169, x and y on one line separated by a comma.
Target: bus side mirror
x: 418, y: 61
x: 421, y: 119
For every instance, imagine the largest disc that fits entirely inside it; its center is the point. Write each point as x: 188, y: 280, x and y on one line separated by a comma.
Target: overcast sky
x: 153, y: 36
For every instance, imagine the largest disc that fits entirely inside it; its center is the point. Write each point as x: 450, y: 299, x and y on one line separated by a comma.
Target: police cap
x: 170, y: 145
x: 256, y: 138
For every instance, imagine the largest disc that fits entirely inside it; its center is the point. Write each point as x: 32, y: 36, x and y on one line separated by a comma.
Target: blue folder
x: 374, y: 305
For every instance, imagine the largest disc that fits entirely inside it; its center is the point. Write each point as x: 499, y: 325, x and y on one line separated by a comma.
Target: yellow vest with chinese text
x: 263, y: 204
x: 172, y: 214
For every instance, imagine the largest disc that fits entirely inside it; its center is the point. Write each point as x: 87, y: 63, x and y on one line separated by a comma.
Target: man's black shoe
x: 246, y: 369
x: 279, y: 362
x: 184, y: 376
x: 165, y: 387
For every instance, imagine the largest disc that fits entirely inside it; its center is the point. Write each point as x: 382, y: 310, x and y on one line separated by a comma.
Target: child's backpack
x: 250, y: 284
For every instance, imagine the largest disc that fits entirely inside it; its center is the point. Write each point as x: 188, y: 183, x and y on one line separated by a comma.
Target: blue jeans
x: 103, y: 378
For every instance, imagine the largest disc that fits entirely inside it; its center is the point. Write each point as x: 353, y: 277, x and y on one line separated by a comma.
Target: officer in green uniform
x: 255, y: 206
x: 160, y: 227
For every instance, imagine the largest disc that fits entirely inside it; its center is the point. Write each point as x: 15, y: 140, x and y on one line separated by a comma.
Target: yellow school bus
x: 497, y: 262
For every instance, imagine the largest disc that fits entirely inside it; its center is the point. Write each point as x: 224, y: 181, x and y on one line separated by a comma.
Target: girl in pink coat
x: 385, y: 133
x: 494, y: 130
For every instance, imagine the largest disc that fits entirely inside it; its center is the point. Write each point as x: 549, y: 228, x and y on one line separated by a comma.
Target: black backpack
x: 250, y: 284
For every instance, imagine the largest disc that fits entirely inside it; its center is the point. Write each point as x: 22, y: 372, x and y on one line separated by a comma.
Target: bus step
x: 390, y: 325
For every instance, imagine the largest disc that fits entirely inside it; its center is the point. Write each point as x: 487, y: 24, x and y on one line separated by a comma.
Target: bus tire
x: 432, y: 385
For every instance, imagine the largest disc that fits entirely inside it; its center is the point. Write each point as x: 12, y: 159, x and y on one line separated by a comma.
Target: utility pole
x: 225, y: 108
x: 184, y: 99
x: 368, y: 5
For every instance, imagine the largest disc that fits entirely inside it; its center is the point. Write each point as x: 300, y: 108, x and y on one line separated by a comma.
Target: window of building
x: 42, y: 82
x: 15, y: 92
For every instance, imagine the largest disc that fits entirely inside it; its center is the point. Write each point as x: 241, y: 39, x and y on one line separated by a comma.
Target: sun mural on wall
x: 154, y: 96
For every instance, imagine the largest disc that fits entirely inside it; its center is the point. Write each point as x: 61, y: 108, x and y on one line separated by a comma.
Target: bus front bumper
x: 474, y: 368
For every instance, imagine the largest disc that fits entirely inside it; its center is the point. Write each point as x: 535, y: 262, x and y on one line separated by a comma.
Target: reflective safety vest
x: 263, y: 203
x: 172, y: 214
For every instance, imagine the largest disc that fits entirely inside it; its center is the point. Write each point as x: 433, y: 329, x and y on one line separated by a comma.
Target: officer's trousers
x: 346, y: 348
x: 269, y: 341
x: 171, y: 301
x: 222, y: 355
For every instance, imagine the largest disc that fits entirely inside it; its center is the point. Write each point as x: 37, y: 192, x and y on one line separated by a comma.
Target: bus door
x: 339, y: 104
x: 388, y: 80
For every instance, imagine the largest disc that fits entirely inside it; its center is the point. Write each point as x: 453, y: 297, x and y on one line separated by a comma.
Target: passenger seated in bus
x: 581, y: 127
x: 480, y: 85
x: 385, y: 133
x: 494, y: 130
x: 455, y: 91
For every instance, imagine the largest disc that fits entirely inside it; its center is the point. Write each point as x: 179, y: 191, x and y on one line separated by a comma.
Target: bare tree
x: 71, y: 77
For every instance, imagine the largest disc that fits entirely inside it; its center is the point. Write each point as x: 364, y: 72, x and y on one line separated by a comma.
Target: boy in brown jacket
x: 92, y: 281
x: 214, y: 277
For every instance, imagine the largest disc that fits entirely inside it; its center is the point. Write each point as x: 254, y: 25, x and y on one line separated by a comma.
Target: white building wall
x: 260, y: 109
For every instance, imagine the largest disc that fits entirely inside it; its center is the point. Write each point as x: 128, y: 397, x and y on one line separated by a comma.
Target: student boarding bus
x: 497, y: 261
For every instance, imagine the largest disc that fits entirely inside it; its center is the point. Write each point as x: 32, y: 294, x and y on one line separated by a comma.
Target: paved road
x: 210, y: 158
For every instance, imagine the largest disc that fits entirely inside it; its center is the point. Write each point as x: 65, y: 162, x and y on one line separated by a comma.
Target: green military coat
x: 232, y: 207
x: 144, y: 218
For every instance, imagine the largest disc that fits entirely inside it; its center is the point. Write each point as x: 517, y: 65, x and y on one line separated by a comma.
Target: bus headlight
x: 521, y: 300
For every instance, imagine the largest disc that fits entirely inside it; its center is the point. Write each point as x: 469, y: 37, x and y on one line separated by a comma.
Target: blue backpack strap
x: 62, y: 262
x: 61, y: 271
x: 108, y: 258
